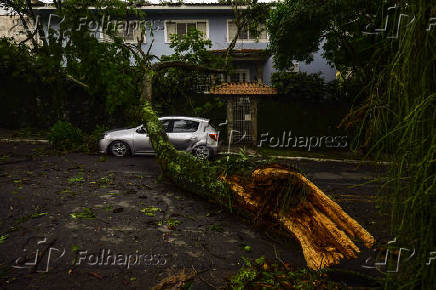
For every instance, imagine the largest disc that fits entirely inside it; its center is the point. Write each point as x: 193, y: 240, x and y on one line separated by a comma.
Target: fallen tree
x: 265, y: 192
x: 259, y: 189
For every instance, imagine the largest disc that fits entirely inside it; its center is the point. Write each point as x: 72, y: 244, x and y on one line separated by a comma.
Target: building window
x: 237, y: 76
x: 181, y: 27
x: 130, y: 31
x: 246, y: 35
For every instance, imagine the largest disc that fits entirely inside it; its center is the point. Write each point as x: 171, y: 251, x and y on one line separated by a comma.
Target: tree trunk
x: 266, y: 193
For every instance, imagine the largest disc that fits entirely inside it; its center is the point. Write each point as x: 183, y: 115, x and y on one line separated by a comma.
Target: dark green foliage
x: 394, y: 112
x: 181, y: 92
x: 303, y: 86
x: 399, y: 117
x: 184, y: 169
x: 64, y: 136
x: 91, y: 140
x: 306, y: 20
x: 298, y: 28
x: 33, y: 93
x: 54, y: 81
x: 177, y: 91
x: 301, y: 117
x: 262, y: 274
x: 307, y: 106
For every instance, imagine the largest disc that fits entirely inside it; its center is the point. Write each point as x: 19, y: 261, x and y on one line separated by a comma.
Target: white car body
x: 190, y: 134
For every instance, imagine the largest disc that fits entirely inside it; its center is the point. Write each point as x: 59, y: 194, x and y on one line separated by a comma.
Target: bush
x: 91, y: 140
x: 65, y: 137
x: 303, y: 86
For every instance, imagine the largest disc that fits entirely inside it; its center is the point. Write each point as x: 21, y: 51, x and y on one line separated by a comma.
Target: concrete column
x: 259, y: 72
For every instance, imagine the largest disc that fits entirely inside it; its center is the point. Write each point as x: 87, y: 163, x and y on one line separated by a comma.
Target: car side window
x: 185, y: 126
x: 141, y: 130
x: 166, y: 124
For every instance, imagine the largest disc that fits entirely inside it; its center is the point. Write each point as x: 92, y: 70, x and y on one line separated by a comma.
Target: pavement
x: 42, y: 191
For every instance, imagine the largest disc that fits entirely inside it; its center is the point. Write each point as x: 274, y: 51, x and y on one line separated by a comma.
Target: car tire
x: 119, y: 149
x: 202, y: 152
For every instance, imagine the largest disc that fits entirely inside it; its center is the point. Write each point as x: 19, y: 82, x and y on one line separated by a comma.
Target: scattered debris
x: 118, y: 210
x: 247, y: 249
x: 3, y: 238
x: 96, y: 275
x: 216, y: 228
x: 150, y: 211
x: 76, y: 179
x: 85, y: 214
x: 170, y: 223
x: 181, y: 280
x: 37, y: 215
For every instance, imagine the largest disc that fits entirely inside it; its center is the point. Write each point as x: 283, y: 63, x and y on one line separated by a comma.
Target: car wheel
x: 201, y: 152
x: 119, y: 149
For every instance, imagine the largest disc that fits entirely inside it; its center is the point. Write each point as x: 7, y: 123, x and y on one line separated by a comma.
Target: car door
x: 183, y: 133
x: 141, y: 141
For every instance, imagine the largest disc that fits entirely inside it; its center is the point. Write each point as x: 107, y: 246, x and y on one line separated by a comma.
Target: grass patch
x: 4, y: 158
x: 76, y: 179
x: 85, y: 214
x: 3, y: 238
x: 260, y: 274
x: 40, y: 214
x: 150, y: 211
x: 170, y: 223
x: 216, y: 228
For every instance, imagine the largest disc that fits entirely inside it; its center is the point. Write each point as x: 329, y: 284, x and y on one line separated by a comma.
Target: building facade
x: 251, y: 60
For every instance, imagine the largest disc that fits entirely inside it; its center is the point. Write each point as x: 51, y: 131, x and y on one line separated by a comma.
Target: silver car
x: 194, y: 135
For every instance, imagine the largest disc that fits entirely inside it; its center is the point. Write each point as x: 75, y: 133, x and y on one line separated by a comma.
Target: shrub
x: 65, y: 137
x: 303, y: 86
x: 91, y: 140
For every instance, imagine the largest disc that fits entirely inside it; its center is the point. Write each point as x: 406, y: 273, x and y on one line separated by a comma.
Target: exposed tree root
x: 323, y: 229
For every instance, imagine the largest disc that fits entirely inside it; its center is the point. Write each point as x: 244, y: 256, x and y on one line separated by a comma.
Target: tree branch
x: 76, y: 81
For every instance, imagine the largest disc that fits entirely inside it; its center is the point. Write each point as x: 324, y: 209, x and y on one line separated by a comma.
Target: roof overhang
x: 245, y: 89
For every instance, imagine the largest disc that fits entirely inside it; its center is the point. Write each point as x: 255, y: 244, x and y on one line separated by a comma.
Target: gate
x: 242, y: 120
